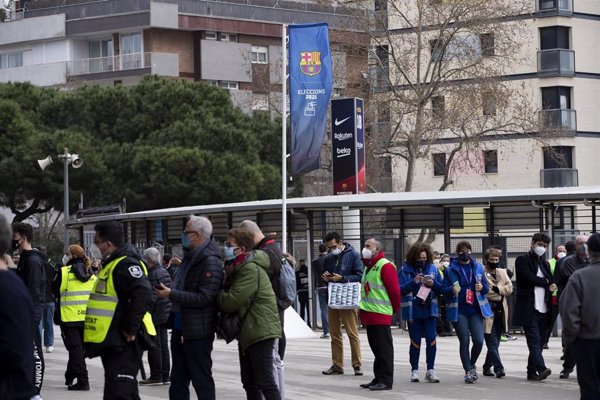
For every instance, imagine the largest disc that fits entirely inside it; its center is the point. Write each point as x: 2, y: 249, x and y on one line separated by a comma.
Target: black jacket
x: 161, y: 307
x: 302, y: 282
x: 570, y: 264
x: 526, y: 267
x: 82, y: 274
x: 318, y: 268
x: 135, y: 298
x: 32, y: 270
x: 202, y: 275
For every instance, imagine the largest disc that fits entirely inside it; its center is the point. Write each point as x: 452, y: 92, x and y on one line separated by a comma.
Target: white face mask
x: 445, y: 264
x: 367, y: 253
x: 539, y: 250
x: 561, y: 255
x: 65, y: 259
x: 336, y: 251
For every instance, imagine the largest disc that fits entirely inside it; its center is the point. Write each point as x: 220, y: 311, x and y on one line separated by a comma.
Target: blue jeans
x: 322, y: 293
x: 416, y: 329
x: 492, y: 341
x: 47, y: 324
x: 469, y: 326
x: 534, y: 333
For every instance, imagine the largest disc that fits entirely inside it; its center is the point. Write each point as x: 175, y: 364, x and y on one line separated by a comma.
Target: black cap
x: 594, y: 242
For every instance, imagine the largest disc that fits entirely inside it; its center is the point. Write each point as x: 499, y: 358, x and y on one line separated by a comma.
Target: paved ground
x: 305, y: 358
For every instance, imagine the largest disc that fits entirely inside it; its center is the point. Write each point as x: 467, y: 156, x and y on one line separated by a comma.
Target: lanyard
x: 470, y: 279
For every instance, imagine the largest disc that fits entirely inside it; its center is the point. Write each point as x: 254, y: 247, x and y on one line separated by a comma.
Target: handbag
x: 344, y: 296
x: 229, y: 324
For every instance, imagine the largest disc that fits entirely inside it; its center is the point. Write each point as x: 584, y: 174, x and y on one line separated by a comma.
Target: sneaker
x: 503, y: 338
x: 80, y: 385
x: 325, y: 336
x: 358, y: 371
x: 36, y: 397
x: 500, y: 374
x: 49, y: 349
x: 564, y: 374
x: 166, y: 382
x: 333, y: 370
x: 151, y: 382
x: 414, y: 375
x: 487, y: 372
x: 511, y: 337
x: 474, y: 373
x: 469, y: 378
x: 431, y: 376
x: 544, y: 373
x: 545, y: 346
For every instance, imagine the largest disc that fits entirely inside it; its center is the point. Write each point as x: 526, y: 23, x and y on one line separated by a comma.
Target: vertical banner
x: 348, y: 146
x: 311, y: 81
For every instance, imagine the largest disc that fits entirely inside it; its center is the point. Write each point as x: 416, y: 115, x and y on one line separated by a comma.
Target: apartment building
x: 231, y: 44
x: 560, y: 67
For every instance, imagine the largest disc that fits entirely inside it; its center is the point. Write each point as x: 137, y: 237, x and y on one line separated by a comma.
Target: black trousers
x: 73, y: 338
x: 587, y: 357
x: 534, y: 333
x: 382, y: 346
x: 121, y: 366
x: 39, y: 365
x: 304, y: 311
x: 158, y: 358
x: 192, y: 362
x: 258, y: 374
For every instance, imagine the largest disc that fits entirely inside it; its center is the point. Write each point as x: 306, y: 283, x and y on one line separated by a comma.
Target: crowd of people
x: 127, y: 304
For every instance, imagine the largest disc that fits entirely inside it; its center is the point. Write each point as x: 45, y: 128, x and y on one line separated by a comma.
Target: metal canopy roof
x: 373, y: 200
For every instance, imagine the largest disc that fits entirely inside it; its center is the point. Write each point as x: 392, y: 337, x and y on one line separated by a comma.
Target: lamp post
x: 75, y: 162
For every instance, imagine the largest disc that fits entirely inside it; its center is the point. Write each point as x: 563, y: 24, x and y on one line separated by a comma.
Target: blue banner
x: 311, y: 80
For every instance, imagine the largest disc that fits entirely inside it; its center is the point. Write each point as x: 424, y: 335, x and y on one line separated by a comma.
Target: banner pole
x: 283, y: 138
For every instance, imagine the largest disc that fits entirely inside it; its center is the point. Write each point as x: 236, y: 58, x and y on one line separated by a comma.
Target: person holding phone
x: 467, y: 305
x: 420, y: 284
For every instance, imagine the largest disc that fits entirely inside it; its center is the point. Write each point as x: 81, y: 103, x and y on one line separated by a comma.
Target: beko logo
x: 343, y: 152
x: 342, y: 136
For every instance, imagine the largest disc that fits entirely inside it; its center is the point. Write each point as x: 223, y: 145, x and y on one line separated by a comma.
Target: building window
x: 439, y: 164
x: 486, y: 41
x: 100, y: 53
x: 555, y: 37
x: 210, y: 35
x: 556, y: 97
x: 435, y: 46
x: 213, y: 83
x: 558, y: 157
x: 490, y: 161
x: 228, y: 85
x: 228, y: 37
x: 438, y: 106
x: 131, y: 50
x: 11, y: 60
x: 489, y: 104
x: 259, y: 55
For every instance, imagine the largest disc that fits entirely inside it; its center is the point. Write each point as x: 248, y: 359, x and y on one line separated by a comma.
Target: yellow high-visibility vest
x: 74, y: 295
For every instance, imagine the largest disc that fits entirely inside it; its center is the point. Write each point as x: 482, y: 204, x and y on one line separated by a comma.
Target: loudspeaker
x: 76, y: 162
x: 45, y: 162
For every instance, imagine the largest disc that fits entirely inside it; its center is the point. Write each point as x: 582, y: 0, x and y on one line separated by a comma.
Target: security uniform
x: 119, y: 304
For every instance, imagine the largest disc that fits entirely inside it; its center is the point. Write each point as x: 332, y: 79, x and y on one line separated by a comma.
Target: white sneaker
x: 414, y: 376
x: 36, y: 397
x: 49, y: 349
x: 431, y: 376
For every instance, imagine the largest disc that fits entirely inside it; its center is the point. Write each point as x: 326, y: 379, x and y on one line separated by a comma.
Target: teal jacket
x: 262, y: 322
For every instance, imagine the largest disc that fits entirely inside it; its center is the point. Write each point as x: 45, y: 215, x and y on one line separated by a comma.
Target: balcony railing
x: 563, y: 120
x: 554, y: 7
x: 121, y: 62
x: 556, y: 62
x: 559, y: 177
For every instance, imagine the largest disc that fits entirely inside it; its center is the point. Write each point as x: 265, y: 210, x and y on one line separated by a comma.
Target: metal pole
x: 283, y: 139
x: 66, y: 161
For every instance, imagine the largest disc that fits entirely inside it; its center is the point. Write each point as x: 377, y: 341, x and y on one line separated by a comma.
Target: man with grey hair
x: 16, y: 319
x: 571, y: 264
x: 194, y: 310
x: 580, y: 313
x: 158, y: 357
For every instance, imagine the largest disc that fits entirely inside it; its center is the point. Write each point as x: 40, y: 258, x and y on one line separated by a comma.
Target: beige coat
x: 505, y: 287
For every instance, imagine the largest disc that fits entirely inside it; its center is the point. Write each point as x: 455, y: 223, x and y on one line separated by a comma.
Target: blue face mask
x: 229, y: 253
x: 185, y: 241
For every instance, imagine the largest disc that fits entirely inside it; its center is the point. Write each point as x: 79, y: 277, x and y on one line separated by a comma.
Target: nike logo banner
x: 311, y: 81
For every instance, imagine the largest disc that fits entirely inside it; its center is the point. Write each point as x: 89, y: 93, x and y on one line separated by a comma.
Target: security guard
x: 72, y: 287
x: 117, y: 310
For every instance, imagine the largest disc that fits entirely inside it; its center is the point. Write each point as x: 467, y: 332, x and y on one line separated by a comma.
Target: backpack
x: 285, y: 292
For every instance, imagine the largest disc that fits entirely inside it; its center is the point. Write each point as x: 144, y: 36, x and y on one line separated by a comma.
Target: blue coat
x: 454, y: 274
x: 347, y: 264
x: 412, y: 306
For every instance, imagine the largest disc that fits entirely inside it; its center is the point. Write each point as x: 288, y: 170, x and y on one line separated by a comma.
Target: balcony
x: 560, y: 120
x: 556, y: 62
x: 554, y: 7
x: 559, y: 177
x: 164, y: 64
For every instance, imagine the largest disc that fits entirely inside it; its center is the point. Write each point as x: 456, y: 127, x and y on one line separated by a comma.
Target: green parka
x: 262, y: 322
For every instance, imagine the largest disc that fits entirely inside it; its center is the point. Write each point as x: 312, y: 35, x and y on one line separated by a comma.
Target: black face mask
x: 464, y: 256
x: 492, y: 265
x: 15, y: 244
x: 420, y: 264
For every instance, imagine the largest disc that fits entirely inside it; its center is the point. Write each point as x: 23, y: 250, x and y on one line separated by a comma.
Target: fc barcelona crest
x: 310, y: 62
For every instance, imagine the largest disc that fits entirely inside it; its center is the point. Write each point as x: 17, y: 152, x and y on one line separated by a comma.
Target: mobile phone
x: 158, y: 286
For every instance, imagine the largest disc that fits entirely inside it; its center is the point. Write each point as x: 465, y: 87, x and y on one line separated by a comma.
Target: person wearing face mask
x: 420, y: 284
x: 465, y: 288
x: 72, y: 287
x: 193, y: 299
x: 32, y: 270
x: 572, y: 263
x: 533, y: 304
x: 117, y: 309
x: 342, y: 264
x: 444, y: 327
x: 380, y: 298
x: 560, y: 252
x: 500, y: 287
